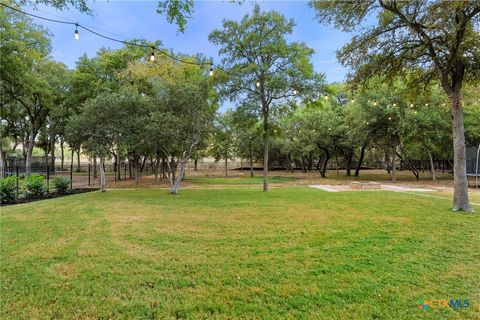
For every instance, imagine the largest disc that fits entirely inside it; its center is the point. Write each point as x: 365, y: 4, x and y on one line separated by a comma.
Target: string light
x: 211, y: 70
x: 76, y: 31
x: 375, y: 103
x: 76, y: 34
x: 152, y: 56
x: 353, y: 100
x: 411, y: 105
x: 258, y: 84
x: 294, y: 92
x: 394, y: 105
x: 426, y: 104
x: 326, y: 97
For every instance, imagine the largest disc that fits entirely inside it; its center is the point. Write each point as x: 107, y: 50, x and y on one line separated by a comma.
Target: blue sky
x: 138, y: 19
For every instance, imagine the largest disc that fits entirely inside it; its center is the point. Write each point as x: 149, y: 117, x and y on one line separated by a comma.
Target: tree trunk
x: 52, y: 152
x: 348, y: 163
x: 360, y: 160
x: 117, y: 167
x: 460, y: 192
x: 226, y: 166
x: 95, y: 176
x: 28, y: 158
x: 157, y: 166
x: 62, y: 168
x: 432, y: 165
x: 163, y: 169
x: 251, y: 161
x: 137, y: 171
x: 178, y: 180
x: 336, y: 161
x: 2, y: 163
x: 265, y: 150
x: 78, y: 160
x: 195, y: 165
x: 394, y: 165
x: 103, y: 182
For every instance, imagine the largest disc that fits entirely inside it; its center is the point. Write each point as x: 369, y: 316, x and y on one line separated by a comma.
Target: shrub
x: 7, y: 189
x: 61, y: 184
x: 35, y: 186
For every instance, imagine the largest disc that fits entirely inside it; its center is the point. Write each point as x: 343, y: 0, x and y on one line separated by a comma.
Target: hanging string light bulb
x: 258, y: 84
x: 294, y: 92
x: 152, y: 56
x: 76, y: 32
x: 211, y: 69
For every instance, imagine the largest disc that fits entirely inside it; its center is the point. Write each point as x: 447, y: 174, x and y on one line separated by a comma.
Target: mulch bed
x: 51, y: 196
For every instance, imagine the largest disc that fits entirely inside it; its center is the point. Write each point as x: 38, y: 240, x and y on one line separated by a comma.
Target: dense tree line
x: 119, y: 105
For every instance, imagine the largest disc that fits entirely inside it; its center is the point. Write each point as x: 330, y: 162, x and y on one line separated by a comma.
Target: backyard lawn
x: 294, y: 252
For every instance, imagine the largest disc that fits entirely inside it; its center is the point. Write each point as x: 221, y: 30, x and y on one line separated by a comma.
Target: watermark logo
x: 443, y: 303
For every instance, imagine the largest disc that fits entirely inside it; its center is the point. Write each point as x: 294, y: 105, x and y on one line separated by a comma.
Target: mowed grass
x: 292, y: 253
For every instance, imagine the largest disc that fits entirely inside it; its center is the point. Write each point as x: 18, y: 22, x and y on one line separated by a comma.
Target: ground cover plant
x: 208, y: 253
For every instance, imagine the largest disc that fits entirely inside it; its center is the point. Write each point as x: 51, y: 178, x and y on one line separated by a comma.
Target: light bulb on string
x: 295, y: 92
x: 77, y: 36
x: 152, y: 56
x: 211, y: 70
x: 258, y: 84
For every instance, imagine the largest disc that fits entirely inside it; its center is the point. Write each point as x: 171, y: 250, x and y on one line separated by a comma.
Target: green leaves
x: 256, y: 49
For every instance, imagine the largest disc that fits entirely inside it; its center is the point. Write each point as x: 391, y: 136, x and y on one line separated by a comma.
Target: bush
x: 7, y: 189
x: 35, y: 186
x: 61, y: 184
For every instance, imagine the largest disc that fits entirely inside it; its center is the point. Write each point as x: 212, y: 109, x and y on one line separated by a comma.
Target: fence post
x: 89, y: 165
x: 71, y: 176
x: 18, y: 195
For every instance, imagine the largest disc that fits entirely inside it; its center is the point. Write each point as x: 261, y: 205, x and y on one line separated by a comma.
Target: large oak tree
x: 262, y: 66
x: 439, y: 39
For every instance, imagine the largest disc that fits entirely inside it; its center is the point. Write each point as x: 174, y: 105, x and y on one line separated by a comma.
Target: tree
x: 176, y: 11
x: 262, y: 67
x: 247, y: 135
x: 26, y: 82
x: 435, y: 38
x: 111, y: 120
x: 184, y: 111
x: 222, y: 140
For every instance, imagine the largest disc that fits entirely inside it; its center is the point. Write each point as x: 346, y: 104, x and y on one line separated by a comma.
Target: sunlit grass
x: 238, y: 253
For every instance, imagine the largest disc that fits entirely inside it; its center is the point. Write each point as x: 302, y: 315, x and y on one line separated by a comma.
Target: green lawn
x: 238, y: 253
